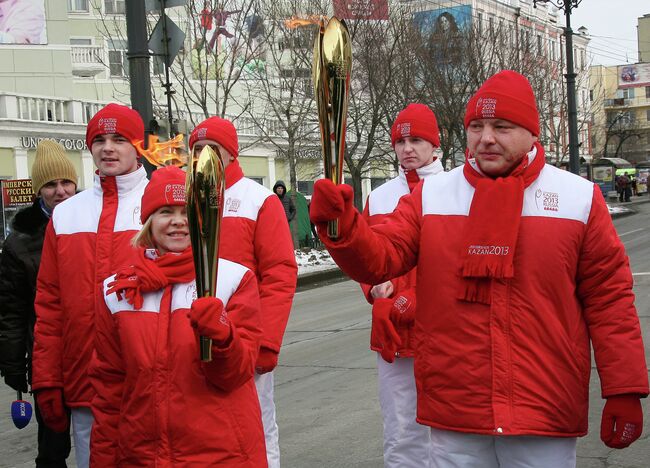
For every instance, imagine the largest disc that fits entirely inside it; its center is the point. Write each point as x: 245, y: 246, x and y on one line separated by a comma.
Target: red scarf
x: 146, y: 274
x: 490, y: 235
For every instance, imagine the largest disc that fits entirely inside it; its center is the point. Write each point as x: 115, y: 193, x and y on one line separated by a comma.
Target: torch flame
x: 164, y: 153
x: 299, y: 22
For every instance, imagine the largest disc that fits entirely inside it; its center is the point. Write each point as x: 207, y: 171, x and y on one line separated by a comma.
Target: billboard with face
x: 22, y: 22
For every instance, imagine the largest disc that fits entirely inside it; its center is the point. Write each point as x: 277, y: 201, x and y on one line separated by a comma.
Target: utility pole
x: 139, y: 76
x: 567, y: 6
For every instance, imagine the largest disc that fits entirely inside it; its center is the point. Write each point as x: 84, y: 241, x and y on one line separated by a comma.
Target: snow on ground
x: 311, y: 260
x: 618, y: 209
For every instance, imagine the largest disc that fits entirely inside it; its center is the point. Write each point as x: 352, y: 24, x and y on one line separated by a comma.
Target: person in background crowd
x: 254, y: 233
x: 156, y: 403
x: 86, y: 240
x: 624, y: 189
x: 415, y: 138
x: 287, y: 203
x: 54, y: 180
x: 519, y: 270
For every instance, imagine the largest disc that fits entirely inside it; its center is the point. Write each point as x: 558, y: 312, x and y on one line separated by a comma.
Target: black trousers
x: 53, y: 447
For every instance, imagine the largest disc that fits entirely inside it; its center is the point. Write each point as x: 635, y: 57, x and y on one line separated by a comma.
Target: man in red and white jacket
x: 86, y: 240
x: 415, y: 137
x: 258, y: 237
x: 519, y: 269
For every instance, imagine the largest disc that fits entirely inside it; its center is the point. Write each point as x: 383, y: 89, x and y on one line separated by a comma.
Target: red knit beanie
x: 416, y: 120
x: 508, y: 96
x: 217, y: 129
x: 166, y: 187
x: 115, y: 118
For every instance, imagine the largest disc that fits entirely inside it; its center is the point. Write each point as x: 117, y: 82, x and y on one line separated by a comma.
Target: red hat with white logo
x: 217, y: 129
x: 416, y: 120
x: 508, y: 96
x: 166, y: 187
x: 116, y: 118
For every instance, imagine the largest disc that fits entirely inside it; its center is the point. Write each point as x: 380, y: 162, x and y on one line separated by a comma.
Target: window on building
x: 647, y: 92
x: 583, y: 58
x: 480, y: 23
x: 377, y: 181
x: 81, y: 41
x: 306, y: 187
x: 114, y: 7
x: 647, y: 115
x: 157, y: 65
x: 259, y: 180
x: 551, y: 48
x: 540, y: 46
x: 78, y: 6
x: 117, y: 60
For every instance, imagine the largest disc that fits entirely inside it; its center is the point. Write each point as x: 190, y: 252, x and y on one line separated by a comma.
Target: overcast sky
x: 612, y: 27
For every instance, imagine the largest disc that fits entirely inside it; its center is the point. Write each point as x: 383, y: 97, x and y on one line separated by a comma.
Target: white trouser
x: 459, y: 450
x: 264, y: 384
x: 406, y: 443
x: 82, y: 423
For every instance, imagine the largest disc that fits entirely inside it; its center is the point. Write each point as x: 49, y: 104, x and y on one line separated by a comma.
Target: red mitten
x: 384, y: 329
x: 266, y: 360
x: 403, y: 311
x: 622, y: 421
x: 210, y: 319
x: 50, y: 404
x: 330, y: 202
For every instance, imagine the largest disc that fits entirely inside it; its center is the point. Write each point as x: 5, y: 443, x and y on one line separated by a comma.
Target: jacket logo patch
x: 201, y: 133
x: 190, y: 293
x: 232, y: 205
x: 486, y: 108
x: 550, y: 200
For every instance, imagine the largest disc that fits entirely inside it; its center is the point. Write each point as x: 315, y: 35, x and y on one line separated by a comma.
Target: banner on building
x: 630, y: 76
x: 22, y: 22
x: 16, y: 194
x: 444, y: 20
x: 361, y: 9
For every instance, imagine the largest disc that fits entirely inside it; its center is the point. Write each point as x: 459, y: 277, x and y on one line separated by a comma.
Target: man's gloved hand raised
x: 52, y: 409
x: 330, y: 202
x: 384, y: 329
x: 622, y: 421
x: 403, y: 311
x: 209, y: 318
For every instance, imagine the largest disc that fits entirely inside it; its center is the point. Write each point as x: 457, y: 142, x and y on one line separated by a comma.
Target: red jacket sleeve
x: 232, y: 366
x: 384, y: 251
x: 367, y: 287
x: 48, y: 345
x: 604, y: 285
x: 277, y: 271
x: 107, y: 375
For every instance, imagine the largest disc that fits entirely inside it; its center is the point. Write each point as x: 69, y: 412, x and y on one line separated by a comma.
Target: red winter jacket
x: 520, y: 365
x: 87, y: 239
x: 381, y: 202
x: 255, y: 233
x: 156, y: 403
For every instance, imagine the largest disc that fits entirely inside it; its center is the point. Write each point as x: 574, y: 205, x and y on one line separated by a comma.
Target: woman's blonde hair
x: 144, y: 237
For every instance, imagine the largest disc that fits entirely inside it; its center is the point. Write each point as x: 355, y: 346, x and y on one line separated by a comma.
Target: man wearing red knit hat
x: 87, y: 239
x: 255, y: 233
x: 415, y: 137
x: 520, y: 269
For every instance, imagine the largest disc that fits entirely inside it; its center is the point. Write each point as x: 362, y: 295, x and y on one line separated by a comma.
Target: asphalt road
x: 326, y: 392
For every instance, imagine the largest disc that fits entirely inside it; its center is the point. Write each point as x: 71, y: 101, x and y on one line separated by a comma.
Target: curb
x: 319, y: 278
x: 629, y: 206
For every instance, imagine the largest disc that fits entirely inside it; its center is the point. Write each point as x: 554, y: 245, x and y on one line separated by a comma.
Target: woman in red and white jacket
x: 156, y: 403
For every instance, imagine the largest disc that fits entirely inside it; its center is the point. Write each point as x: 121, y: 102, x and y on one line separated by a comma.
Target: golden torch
x: 331, y: 69
x: 204, y: 194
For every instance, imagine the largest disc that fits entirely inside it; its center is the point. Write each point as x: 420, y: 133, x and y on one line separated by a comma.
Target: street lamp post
x: 567, y: 6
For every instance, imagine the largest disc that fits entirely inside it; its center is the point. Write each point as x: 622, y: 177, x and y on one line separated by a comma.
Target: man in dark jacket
x: 53, y: 180
x: 287, y: 203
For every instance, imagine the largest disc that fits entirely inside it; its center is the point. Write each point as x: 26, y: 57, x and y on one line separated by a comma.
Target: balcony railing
x: 31, y: 108
x: 87, y: 60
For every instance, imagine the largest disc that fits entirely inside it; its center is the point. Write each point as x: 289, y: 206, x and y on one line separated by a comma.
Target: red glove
x: 622, y: 421
x: 403, y: 311
x: 266, y: 360
x: 330, y: 202
x: 50, y: 404
x: 210, y: 319
x: 384, y: 329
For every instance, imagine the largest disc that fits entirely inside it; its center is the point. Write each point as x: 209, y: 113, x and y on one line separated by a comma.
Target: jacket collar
x: 123, y: 184
x: 425, y: 171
